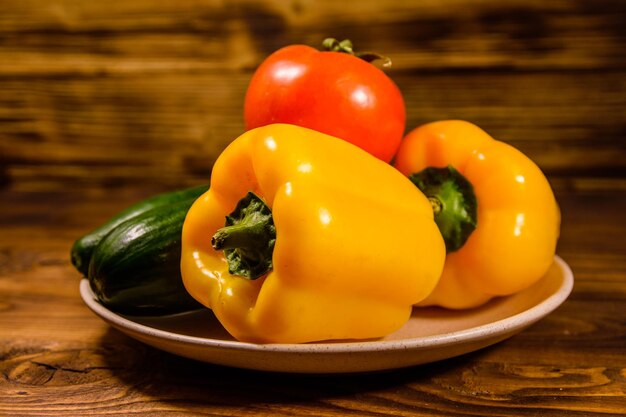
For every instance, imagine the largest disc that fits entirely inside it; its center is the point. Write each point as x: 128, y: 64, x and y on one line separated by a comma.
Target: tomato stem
x: 346, y: 46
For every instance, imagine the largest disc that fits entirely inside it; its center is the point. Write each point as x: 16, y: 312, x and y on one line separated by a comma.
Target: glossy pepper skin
x: 356, y: 245
x: 518, y: 218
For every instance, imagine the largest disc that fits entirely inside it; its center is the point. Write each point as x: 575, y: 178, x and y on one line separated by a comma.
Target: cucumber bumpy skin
x: 83, y: 248
x: 135, y: 268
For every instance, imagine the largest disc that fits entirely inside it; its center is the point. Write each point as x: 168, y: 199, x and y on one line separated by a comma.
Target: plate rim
x: 504, y: 326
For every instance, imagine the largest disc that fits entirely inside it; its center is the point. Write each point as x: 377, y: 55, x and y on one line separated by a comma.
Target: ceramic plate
x: 431, y: 334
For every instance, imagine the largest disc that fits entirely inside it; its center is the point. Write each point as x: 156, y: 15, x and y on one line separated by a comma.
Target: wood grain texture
x: 56, y: 358
x: 105, y: 103
x: 110, y: 93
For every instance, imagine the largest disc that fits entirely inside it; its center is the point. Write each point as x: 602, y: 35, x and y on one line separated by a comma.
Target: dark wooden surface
x: 104, y: 103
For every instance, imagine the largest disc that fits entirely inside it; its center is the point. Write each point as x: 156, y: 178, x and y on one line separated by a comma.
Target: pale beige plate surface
x: 431, y: 334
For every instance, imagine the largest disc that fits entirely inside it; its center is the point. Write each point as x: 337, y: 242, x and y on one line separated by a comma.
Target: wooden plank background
x: 144, y: 92
x: 105, y: 102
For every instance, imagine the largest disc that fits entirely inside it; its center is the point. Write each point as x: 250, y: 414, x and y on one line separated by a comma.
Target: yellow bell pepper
x: 493, y: 205
x: 321, y: 240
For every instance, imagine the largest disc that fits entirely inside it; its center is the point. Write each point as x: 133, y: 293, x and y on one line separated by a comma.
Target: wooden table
x: 104, y: 103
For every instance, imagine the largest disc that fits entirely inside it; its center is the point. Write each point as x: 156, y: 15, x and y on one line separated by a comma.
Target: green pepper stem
x: 435, y: 204
x: 247, y: 234
x: 453, y: 201
x: 247, y: 238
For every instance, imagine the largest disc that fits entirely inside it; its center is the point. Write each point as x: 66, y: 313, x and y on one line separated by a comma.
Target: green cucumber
x: 135, y: 268
x: 82, y: 249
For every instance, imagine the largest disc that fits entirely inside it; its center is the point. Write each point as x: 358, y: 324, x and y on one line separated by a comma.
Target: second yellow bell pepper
x: 494, y: 206
x: 321, y: 240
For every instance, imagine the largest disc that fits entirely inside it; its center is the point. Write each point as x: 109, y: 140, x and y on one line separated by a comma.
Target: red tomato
x: 331, y: 92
